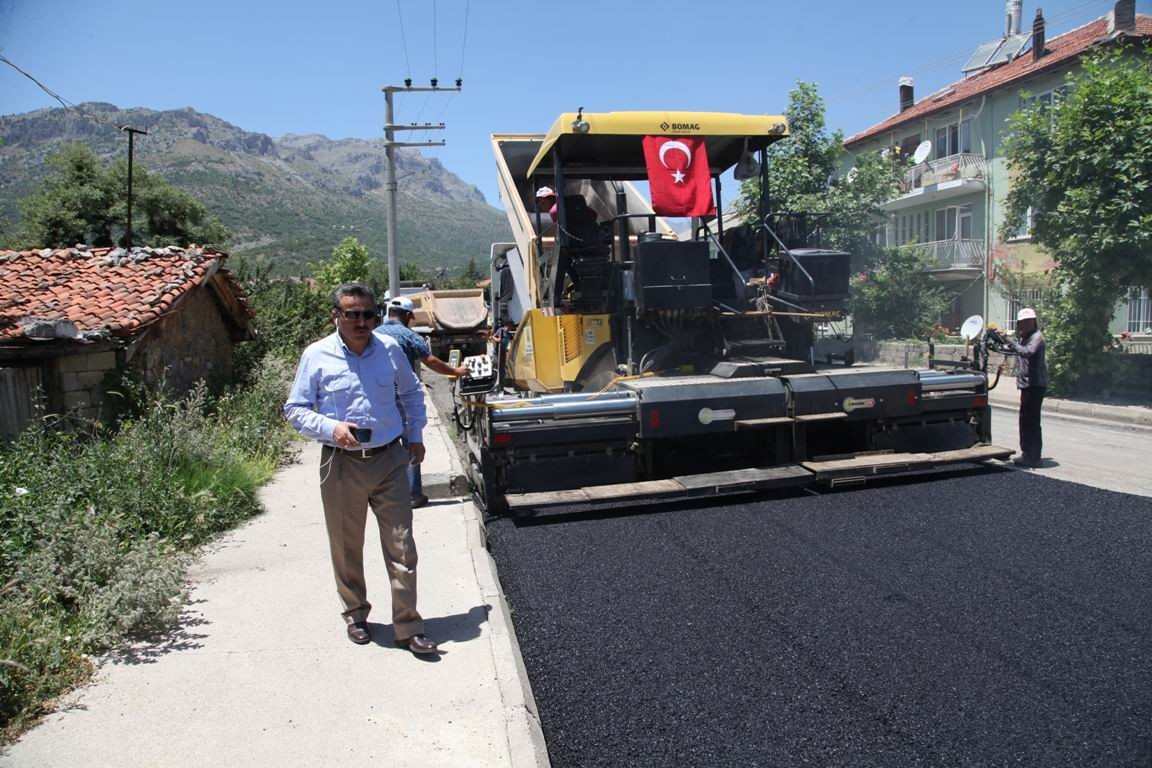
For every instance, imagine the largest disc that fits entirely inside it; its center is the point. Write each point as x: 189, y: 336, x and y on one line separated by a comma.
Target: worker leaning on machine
x: 398, y: 316
x: 1031, y: 380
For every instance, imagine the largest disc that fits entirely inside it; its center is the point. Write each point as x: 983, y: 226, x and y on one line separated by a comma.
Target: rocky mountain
x: 288, y: 200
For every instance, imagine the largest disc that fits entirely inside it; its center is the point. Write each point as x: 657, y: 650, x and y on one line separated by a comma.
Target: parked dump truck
x: 449, y: 318
x: 628, y: 361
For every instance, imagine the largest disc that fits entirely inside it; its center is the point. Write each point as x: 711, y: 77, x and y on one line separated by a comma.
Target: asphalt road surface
x: 1096, y: 453
x: 987, y: 617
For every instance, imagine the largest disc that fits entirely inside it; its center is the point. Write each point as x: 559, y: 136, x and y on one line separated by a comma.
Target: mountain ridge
x: 287, y: 200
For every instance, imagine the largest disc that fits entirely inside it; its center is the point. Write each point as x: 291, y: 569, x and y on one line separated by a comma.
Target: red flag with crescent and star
x: 678, y: 176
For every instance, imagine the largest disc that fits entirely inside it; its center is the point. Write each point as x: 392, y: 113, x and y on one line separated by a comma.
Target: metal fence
x: 950, y: 168
x: 953, y: 254
x: 1139, y: 310
x: 1027, y: 297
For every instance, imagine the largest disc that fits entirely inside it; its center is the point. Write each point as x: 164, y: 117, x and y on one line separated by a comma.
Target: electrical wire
x: 63, y: 102
x: 404, y: 41
x: 464, y: 44
x: 435, y: 52
x: 421, y: 135
x: 60, y: 99
x: 949, y: 61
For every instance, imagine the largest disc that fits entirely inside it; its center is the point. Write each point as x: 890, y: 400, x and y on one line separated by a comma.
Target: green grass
x: 96, y: 530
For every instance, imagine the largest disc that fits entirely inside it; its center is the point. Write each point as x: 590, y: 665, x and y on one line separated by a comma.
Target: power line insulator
x: 407, y: 82
x: 459, y: 82
x: 434, y: 82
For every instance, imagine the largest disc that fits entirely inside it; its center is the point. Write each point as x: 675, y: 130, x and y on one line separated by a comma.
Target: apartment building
x: 951, y: 200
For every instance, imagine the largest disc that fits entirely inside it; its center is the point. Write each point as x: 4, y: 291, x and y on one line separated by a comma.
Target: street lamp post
x: 131, y: 152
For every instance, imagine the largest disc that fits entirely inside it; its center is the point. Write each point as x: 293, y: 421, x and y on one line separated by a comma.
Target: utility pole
x: 390, y: 145
x: 131, y: 151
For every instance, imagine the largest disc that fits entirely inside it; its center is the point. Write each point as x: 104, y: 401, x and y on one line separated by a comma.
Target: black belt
x: 365, y: 453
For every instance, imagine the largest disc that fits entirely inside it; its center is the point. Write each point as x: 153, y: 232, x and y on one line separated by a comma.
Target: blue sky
x: 294, y: 67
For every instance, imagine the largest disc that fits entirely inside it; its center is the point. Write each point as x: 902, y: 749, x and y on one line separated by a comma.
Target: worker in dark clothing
x: 505, y: 291
x: 1032, y: 381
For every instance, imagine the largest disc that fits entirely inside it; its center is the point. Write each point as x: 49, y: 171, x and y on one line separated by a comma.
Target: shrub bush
x: 95, y: 531
x: 898, y: 298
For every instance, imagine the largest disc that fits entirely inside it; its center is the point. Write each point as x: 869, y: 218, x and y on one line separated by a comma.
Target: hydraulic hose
x: 459, y: 407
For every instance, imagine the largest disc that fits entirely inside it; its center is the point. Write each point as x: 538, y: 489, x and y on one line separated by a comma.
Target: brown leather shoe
x: 419, y: 644
x: 358, y: 633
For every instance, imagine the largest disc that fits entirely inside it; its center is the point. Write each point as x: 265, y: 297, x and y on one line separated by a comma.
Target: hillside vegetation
x: 287, y: 201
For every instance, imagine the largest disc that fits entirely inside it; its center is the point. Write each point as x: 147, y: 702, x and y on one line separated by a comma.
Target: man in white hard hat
x: 399, y: 316
x: 1032, y: 381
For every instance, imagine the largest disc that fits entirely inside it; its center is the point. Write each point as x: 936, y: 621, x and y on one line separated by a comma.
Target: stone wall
x: 905, y: 354
x: 79, y: 382
x: 191, y: 344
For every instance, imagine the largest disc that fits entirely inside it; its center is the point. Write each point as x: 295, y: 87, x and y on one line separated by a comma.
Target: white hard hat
x: 402, y: 303
x: 545, y: 192
x: 1026, y: 314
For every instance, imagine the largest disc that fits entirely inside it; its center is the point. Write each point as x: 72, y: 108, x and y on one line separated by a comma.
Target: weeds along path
x: 96, y: 527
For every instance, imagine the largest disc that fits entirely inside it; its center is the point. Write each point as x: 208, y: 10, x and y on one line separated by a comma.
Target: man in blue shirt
x: 355, y: 393
x: 416, y: 349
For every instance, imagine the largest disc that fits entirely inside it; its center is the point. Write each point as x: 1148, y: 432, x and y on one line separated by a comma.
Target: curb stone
x: 526, y: 745
x: 1115, y: 415
x: 453, y: 483
x: 445, y: 485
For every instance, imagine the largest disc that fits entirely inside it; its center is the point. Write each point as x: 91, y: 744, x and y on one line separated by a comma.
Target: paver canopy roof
x: 611, y: 145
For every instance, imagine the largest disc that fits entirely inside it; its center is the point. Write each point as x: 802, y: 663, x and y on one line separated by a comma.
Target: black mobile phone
x: 362, y: 434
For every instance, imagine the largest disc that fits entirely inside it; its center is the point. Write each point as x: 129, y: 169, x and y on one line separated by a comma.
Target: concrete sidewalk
x: 1006, y: 395
x: 260, y: 672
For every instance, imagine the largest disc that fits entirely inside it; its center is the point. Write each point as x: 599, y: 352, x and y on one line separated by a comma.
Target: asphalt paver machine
x: 631, y: 359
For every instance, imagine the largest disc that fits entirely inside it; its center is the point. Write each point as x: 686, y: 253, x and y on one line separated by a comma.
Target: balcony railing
x: 953, y: 254
x: 950, y: 168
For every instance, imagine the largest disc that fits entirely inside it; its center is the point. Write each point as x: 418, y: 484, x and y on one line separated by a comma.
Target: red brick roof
x: 105, y: 290
x: 1060, y: 50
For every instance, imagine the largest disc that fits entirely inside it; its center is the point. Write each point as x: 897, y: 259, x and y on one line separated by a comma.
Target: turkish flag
x: 678, y: 176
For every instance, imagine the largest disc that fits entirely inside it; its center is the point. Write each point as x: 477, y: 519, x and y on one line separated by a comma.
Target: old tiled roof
x: 104, y: 291
x: 1059, y: 50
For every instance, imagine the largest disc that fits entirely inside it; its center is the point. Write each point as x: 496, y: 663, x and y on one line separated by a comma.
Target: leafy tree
x: 1084, y: 166
x: 83, y: 200
x: 893, y: 295
x: 290, y: 312
x: 799, y: 166
x: 171, y: 216
x: 349, y: 263
x: 413, y: 272
x: 898, y: 298
x: 471, y: 273
x: 72, y: 205
x: 802, y: 176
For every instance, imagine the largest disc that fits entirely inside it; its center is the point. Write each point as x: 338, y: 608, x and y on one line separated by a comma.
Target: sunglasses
x: 357, y: 314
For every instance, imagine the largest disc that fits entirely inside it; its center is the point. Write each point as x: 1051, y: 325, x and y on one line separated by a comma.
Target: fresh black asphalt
x: 985, y: 618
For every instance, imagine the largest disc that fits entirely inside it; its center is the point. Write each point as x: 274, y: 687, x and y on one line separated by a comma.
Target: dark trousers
x: 1031, y: 439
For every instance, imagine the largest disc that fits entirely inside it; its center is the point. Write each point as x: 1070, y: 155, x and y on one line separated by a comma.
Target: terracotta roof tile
x: 1060, y: 50
x: 101, y: 289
